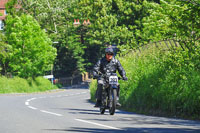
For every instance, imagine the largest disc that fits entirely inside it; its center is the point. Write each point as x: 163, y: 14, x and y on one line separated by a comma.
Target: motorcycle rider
x: 108, y: 64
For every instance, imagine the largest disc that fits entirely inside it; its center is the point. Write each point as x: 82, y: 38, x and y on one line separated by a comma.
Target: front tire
x: 113, y: 100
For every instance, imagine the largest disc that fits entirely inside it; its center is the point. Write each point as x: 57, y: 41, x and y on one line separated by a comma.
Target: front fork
x: 111, y: 94
x: 110, y: 97
x: 107, y: 95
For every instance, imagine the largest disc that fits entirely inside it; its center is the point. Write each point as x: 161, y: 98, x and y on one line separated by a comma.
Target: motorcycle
x: 109, y: 94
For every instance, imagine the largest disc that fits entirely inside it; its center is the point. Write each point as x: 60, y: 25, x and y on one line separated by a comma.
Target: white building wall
x: 1, y: 25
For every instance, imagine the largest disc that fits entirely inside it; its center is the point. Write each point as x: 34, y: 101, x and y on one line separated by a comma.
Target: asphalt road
x: 71, y: 111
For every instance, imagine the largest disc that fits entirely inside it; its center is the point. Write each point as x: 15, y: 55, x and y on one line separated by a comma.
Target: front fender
x: 114, y: 86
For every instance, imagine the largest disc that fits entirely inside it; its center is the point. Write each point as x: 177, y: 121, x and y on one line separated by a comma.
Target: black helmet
x: 109, y: 51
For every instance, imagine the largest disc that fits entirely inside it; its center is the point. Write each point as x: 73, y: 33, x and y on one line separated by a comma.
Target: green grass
x: 161, y: 82
x: 20, y: 85
x: 144, y: 71
x: 93, y: 86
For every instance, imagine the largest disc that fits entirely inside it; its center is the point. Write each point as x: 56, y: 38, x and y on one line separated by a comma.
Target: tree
x: 105, y: 29
x: 173, y: 19
x: 4, y: 50
x: 187, y: 24
x: 126, y: 23
x: 32, y: 53
x: 56, y: 17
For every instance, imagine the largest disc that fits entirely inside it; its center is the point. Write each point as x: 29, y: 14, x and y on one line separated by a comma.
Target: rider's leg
x: 99, y: 93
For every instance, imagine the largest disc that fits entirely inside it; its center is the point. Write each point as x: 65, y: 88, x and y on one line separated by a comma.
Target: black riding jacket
x: 103, y: 66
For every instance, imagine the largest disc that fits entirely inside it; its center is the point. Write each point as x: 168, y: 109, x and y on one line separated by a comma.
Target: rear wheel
x: 113, y: 101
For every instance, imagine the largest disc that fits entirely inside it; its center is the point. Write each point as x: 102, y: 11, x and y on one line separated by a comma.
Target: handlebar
x: 101, y: 75
x: 106, y: 76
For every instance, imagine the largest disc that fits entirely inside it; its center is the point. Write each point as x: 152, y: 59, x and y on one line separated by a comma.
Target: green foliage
x: 56, y: 17
x: 122, y: 22
x: 143, y: 78
x: 167, y: 83
x: 162, y: 83
x: 20, y: 85
x: 107, y: 26
x: 77, y: 52
x: 112, y: 22
x: 59, y: 85
x: 93, y: 88
x: 176, y: 19
x: 183, y: 79
x: 10, y: 7
x: 4, y: 50
x: 156, y: 24
x: 53, y: 16
x: 32, y: 53
x: 2, y: 46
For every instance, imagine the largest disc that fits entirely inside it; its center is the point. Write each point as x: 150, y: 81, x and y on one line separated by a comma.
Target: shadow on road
x: 83, y: 111
x: 125, y: 130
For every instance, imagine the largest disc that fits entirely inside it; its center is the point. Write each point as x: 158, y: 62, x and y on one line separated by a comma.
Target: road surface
x: 71, y: 111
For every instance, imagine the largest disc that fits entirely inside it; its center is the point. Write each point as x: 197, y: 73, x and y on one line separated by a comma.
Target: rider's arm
x: 121, y: 69
x: 96, y: 70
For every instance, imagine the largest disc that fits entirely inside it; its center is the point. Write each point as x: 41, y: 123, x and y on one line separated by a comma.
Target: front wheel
x: 113, y: 101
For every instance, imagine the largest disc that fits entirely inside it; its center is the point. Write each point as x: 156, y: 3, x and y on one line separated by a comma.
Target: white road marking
x: 32, y: 107
x: 44, y: 111
x: 97, y: 124
x: 50, y: 113
x: 27, y: 103
x: 42, y: 97
x: 31, y: 99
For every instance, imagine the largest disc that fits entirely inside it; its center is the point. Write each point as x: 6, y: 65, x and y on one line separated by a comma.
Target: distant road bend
x: 71, y: 111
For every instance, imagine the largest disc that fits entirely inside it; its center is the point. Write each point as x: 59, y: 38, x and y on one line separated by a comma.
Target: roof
x: 2, y: 17
x: 3, y: 3
x: 2, y: 6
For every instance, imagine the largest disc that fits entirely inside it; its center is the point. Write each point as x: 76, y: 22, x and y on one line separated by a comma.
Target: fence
x: 74, y: 80
x: 171, y: 44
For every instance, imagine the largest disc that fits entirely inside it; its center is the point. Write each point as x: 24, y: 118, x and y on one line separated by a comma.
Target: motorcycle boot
x: 118, y: 104
x: 98, y: 103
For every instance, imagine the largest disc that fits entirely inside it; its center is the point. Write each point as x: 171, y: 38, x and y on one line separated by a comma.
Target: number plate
x: 113, y: 80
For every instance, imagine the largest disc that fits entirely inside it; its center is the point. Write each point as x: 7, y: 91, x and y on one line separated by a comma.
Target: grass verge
x: 20, y: 85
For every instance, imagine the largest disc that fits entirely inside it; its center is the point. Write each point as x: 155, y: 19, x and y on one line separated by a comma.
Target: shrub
x: 93, y: 87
